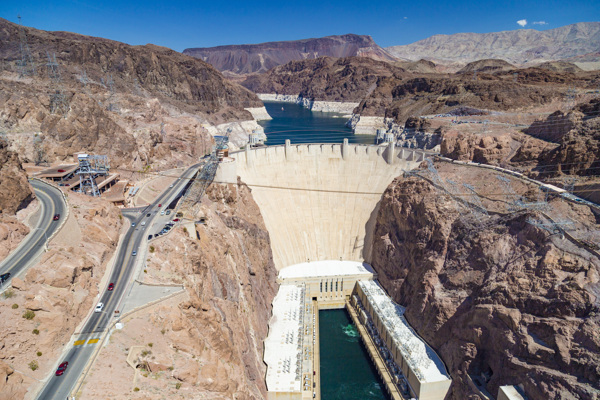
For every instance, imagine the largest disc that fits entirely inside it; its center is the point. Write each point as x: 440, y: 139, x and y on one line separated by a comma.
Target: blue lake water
x: 346, y: 370
x: 300, y: 125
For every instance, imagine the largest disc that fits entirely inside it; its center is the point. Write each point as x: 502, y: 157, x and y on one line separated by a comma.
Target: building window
x: 336, y: 286
x: 321, y: 289
x: 325, y: 286
x: 342, y: 285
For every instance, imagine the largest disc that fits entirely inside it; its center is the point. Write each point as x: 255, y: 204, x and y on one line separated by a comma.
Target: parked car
x: 176, y: 220
x: 111, y: 286
x: 56, y: 217
x: 61, y: 368
x: 4, y: 277
x: 149, y: 237
x: 162, y: 212
x: 168, y: 212
x: 99, y: 307
x: 160, y: 205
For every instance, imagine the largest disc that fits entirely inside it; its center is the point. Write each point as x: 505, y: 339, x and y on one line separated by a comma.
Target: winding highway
x: 52, y: 203
x: 83, y: 347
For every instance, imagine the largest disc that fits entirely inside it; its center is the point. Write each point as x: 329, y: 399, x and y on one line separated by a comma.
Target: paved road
x: 59, y: 387
x: 52, y: 202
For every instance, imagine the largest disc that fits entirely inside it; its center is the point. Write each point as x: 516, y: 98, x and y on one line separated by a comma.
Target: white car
x: 143, y: 223
x: 162, y: 212
x: 99, y: 307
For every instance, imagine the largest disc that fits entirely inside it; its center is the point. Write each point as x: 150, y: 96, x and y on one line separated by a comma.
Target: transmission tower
x: 26, y: 65
x: 191, y: 199
x: 90, y: 168
x: 552, y: 226
x: 569, y: 185
x: 58, y: 100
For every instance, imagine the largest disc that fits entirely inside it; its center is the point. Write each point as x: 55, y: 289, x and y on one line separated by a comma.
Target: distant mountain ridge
x: 522, y: 46
x: 252, y: 58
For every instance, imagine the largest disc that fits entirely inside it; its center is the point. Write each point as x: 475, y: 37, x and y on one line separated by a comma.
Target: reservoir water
x: 346, y: 370
x: 301, y: 125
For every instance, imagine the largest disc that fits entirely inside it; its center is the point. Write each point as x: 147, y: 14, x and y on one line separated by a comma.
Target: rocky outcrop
x: 313, y: 105
x: 517, y: 46
x: 487, y: 66
x: 252, y: 58
x: 503, y: 302
x: 15, y: 191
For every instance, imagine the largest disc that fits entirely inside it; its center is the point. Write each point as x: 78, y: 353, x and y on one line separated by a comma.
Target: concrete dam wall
x: 319, y: 201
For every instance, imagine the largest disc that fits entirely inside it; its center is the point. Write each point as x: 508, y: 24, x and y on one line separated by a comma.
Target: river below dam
x: 346, y: 370
x: 301, y: 125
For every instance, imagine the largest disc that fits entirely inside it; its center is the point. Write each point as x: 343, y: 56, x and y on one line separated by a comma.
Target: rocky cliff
x: 138, y: 104
x: 15, y: 191
x: 502, y: 301
x: 252, y: 58
x: 518, y: 46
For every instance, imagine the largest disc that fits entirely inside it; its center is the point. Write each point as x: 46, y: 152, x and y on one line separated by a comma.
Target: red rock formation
x: 503, y: 302
x: 251, y: 58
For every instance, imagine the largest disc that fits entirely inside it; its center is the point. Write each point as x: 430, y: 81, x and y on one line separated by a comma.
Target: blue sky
x: 180, y: 24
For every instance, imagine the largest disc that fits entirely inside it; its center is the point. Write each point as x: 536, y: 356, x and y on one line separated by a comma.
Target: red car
x: 56, y: 217
x: 111, y: 286
x: 160, y: 205
x: 176, y: 220
x: 62, y: 368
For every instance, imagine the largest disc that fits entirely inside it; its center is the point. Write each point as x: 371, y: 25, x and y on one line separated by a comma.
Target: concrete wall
x: 317, y: 203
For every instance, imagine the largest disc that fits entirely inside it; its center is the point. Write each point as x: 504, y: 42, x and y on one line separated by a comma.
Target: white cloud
x: 540, y: 23
x: 405, y: 17
x: 522, y: 22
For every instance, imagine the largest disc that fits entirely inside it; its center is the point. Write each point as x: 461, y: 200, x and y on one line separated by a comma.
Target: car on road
x: 133, y: 224
x: 56, y: 217
x: 62, y: 368
x: 4, y: 277
x: 160, y: 205
x: 162, y: 212
x: 99, y: 307
x: 134, y: 253
x: 171, y: 186
x: 148, y: 215
x: 143, y: 223
x: 168, y: 212
x: 111, y: 286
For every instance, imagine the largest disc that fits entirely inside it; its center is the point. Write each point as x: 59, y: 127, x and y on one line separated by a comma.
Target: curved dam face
x: 319, y: 201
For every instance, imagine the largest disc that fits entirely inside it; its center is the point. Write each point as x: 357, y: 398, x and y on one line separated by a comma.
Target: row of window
x: 331, y: 286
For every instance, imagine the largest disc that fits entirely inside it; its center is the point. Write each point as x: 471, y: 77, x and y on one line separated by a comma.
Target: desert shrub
x: 35, y: 332
x: 15, y: 306
x: 9, y: 293
x: 136, y: 389
x: 29, y: 314
x: 151, y: 249
x: 39, y: 353
x: 33, y: 365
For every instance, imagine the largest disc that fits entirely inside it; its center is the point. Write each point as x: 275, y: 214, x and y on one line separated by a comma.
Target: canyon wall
x: 502, y: 301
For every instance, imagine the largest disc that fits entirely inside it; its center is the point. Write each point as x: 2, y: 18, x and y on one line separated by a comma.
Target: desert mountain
x: 136, y: 104
x: 517, y: 47
x: 249, y: 58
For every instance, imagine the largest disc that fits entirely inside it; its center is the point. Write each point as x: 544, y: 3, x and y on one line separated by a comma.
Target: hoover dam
x: 319, y: 203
